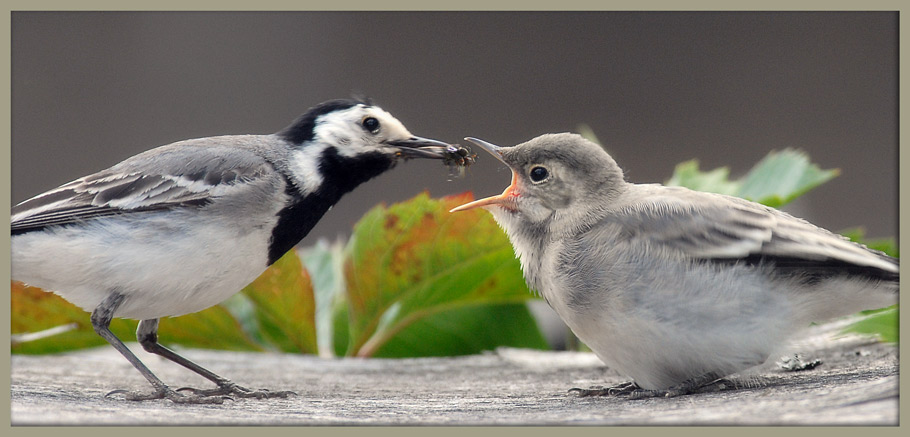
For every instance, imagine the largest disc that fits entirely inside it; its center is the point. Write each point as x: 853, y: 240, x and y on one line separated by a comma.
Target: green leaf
x: 284, y: 305
x: 882, y: 323
x: 414, y: 260
x: 688, y: 175
x: 585, y: 131
x: 341, y: 329
x: 212, y: 328
x: 779, y: 178
x: 33, y: 310
x: 466, y: 330
x: 323, y: 261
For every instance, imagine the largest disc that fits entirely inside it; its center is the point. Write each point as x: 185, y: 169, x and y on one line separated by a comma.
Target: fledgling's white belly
x: 661, y: 322
x: 664, y: 341
x: 670, y: 323
x: 162, y: 268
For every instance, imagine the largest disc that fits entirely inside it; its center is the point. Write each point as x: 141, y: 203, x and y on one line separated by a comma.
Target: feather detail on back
x: 705, y: 226
x: 185, y: 174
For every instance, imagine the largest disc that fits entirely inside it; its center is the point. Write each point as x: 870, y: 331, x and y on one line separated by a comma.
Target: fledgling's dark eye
x: 539, y: 174
x: 371, y: 124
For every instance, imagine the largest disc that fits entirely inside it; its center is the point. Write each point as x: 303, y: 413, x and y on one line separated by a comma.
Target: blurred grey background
x: 92, y: 88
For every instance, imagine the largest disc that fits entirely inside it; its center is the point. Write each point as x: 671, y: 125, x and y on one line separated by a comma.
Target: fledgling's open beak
x: 507, y: 198
x: 419, y: 147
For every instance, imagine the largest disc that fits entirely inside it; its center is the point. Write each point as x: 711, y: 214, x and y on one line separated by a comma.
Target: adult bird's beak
x: 419, y: 147
x: 507, y: 198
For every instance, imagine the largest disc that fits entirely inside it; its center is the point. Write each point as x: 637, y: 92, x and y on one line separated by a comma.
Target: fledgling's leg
x: 101, y: 321
x: 147, y: 334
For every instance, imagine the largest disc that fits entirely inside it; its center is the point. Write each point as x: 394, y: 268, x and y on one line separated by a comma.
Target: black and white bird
x: 672, y: 287
x: 181, y: 227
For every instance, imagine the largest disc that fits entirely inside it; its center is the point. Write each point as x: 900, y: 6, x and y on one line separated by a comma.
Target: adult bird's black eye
x: 538, y: 174
x: 371, y: 124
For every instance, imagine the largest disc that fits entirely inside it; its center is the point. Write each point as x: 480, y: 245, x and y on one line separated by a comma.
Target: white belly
x: 162, y: 269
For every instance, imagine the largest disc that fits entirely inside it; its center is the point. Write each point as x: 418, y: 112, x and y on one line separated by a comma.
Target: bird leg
x: 147, y: 334
x: 709, y: 382
x: 101, y: 321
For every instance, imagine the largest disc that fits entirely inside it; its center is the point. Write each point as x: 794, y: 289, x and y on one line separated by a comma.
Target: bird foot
x: 616, y: 390
x: 685, y: 388
x: 633, y: 391
x: 230, y: 389
x: 796, y: 363
x: 169, y: 394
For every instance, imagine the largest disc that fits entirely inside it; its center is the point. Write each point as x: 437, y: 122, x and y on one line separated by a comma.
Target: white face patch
x: 305, y: 167
x: 344, y: 130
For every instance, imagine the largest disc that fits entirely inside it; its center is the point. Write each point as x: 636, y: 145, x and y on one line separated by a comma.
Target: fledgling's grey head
x: 559, y: 183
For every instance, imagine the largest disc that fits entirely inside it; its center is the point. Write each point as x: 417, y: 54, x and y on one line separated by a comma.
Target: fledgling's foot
x: 231, y: 389
x: 686, y: 388
x: 633, y: 391
x: 616, y: 390
x: 796, y: 363
x: 169, y: 394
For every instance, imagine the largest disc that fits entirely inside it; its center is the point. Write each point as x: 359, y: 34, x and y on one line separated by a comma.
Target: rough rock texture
x: 857, y: 383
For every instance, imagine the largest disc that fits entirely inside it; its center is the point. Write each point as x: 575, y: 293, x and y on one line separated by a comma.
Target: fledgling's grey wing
x: 707, y: 226
x: 184, y: 174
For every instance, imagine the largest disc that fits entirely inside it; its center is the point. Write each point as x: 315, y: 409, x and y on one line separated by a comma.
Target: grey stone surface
x: 857, y: 383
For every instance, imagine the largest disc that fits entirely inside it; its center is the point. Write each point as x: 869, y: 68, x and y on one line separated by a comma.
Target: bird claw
x: 233, y: 389
x: 137, y: 396
x: 633, y: 391
x: 617, y: 390
x: 264, y: 394
x: 585, y: 392
x: 628, y: 389
x: 190, y: 395
x: 116, y: 392
x: 169, y: 394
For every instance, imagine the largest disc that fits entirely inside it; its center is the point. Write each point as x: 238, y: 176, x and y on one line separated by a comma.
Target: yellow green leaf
x: 33, y: 309
x: 284, y: 306
x: 414, y: 260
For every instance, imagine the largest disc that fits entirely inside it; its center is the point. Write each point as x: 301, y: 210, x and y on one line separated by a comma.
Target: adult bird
x: 181, y: 227
x: 672, y: 287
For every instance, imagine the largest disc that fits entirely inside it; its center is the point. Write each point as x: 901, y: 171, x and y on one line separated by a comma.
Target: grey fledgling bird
x: 672, y: 287
x: 181, y: 227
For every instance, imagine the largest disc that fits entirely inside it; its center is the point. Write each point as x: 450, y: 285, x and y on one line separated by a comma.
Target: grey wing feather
x: 713, y: 226
x: 188, y: 173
